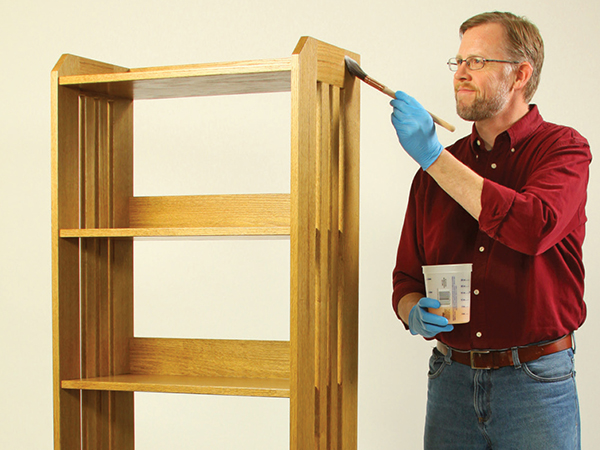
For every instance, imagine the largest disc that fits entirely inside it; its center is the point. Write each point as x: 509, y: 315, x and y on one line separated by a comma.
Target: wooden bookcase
x: 98, y: 361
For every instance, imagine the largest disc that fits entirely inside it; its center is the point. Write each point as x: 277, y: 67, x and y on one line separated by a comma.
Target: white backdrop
x: 229, y: 288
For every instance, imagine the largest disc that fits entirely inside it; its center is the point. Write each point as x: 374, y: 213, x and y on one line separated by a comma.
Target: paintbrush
x: 355, y: 70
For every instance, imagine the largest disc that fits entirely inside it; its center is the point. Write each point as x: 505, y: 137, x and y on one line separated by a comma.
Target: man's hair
x: 523, y: 42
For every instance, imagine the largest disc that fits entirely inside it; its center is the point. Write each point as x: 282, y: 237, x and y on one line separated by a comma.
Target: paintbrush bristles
x: 356, y: 71
x: 354, y: 68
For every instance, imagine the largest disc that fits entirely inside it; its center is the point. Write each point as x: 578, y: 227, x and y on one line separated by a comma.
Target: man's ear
x: 523, y: 74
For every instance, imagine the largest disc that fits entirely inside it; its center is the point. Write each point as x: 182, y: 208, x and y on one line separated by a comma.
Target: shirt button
x: 494, y: 165
x: 512, y: 150
x: 482, y: 249
x: 478, y: 142
x: 478, y: 334
x: 476, y: 292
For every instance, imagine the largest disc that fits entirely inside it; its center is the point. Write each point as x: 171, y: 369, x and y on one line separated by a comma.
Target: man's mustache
x: 464, y: 85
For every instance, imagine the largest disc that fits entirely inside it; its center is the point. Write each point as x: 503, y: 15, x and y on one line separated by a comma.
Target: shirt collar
x: 516, y: 134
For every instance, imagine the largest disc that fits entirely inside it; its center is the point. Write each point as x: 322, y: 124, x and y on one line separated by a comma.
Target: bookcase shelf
x: 98, y: 362
x: 177, y: 384
x: 200, y: 366
x: 199, y: 215
x: 173, y: 232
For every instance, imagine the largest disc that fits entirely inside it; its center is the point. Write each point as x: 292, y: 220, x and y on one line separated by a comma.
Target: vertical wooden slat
x: 319, y: 309
x: 104, y: 162
x: 333, y: 273
x: 343, y: 442
x: 103, y: 246
x: 322, y: 262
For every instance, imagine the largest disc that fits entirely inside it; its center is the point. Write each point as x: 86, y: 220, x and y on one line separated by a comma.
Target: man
x: 510, y: 199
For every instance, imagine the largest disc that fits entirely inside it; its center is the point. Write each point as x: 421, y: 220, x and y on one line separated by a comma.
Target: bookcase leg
x: 324, y: 249
x: 349, y: 255
x: 65, y: 267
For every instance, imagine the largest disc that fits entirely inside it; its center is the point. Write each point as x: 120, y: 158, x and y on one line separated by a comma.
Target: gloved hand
x: 421, y: 321
x: 415, y: 130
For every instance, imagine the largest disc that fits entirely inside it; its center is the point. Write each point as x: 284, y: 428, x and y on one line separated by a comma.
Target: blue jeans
x: 531, y: 406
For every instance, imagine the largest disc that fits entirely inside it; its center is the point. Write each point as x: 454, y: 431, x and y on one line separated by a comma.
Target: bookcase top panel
x: 242, y: 77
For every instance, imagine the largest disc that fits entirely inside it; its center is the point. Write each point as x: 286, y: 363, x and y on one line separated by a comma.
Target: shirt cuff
x: 407, y: 288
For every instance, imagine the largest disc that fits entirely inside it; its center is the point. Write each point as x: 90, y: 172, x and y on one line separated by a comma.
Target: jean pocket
x: 549, y: 368
x: 436, y: 364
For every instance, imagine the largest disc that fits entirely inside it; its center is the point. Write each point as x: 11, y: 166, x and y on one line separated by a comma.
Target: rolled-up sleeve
x: 550, y: 204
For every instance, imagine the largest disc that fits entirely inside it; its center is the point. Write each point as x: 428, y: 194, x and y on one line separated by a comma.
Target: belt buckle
x: 478, y: 352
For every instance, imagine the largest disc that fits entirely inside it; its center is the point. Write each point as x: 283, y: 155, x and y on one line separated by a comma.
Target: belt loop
x: 515, y: 357
x: 448, y: 356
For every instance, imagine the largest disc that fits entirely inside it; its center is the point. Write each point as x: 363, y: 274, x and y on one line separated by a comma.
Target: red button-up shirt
x: 528, y: 276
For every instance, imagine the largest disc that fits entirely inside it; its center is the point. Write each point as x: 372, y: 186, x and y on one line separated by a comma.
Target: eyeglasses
x: 474, y: 62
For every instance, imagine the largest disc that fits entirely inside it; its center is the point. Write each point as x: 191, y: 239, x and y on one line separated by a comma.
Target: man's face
x: 482, y: 94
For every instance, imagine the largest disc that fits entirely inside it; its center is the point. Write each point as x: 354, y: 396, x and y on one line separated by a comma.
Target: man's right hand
x: 421, y: 321
x: 415, y: 129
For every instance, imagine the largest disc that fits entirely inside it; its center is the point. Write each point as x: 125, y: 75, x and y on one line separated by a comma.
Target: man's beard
x: 484, y: 108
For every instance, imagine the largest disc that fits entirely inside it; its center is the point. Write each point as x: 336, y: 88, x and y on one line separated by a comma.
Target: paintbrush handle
x: 386, y: 90
x: 442, y: 122
x: 380, y: 87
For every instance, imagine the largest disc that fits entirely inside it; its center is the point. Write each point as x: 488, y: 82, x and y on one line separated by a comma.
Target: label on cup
x: 450, y: 284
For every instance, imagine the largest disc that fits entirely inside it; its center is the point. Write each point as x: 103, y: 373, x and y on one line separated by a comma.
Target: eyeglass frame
x: 454, y: 66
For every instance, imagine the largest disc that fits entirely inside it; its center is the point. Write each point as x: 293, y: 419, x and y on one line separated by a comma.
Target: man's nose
x: 462, y: 72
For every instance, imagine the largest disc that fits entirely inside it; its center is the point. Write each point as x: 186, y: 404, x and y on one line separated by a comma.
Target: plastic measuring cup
x: 450, y: 284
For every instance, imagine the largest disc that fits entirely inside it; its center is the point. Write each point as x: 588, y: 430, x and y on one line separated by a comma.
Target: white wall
x: 228, y: 145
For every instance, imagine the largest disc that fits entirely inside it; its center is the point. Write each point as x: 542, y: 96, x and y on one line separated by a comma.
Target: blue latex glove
x: 421, y: 321
x: 415, y: 129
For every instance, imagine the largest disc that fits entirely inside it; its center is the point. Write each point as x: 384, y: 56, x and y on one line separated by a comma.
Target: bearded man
x: 509, y: 199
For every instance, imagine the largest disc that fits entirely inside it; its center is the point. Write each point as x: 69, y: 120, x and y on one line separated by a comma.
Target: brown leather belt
x: 494, y: 359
